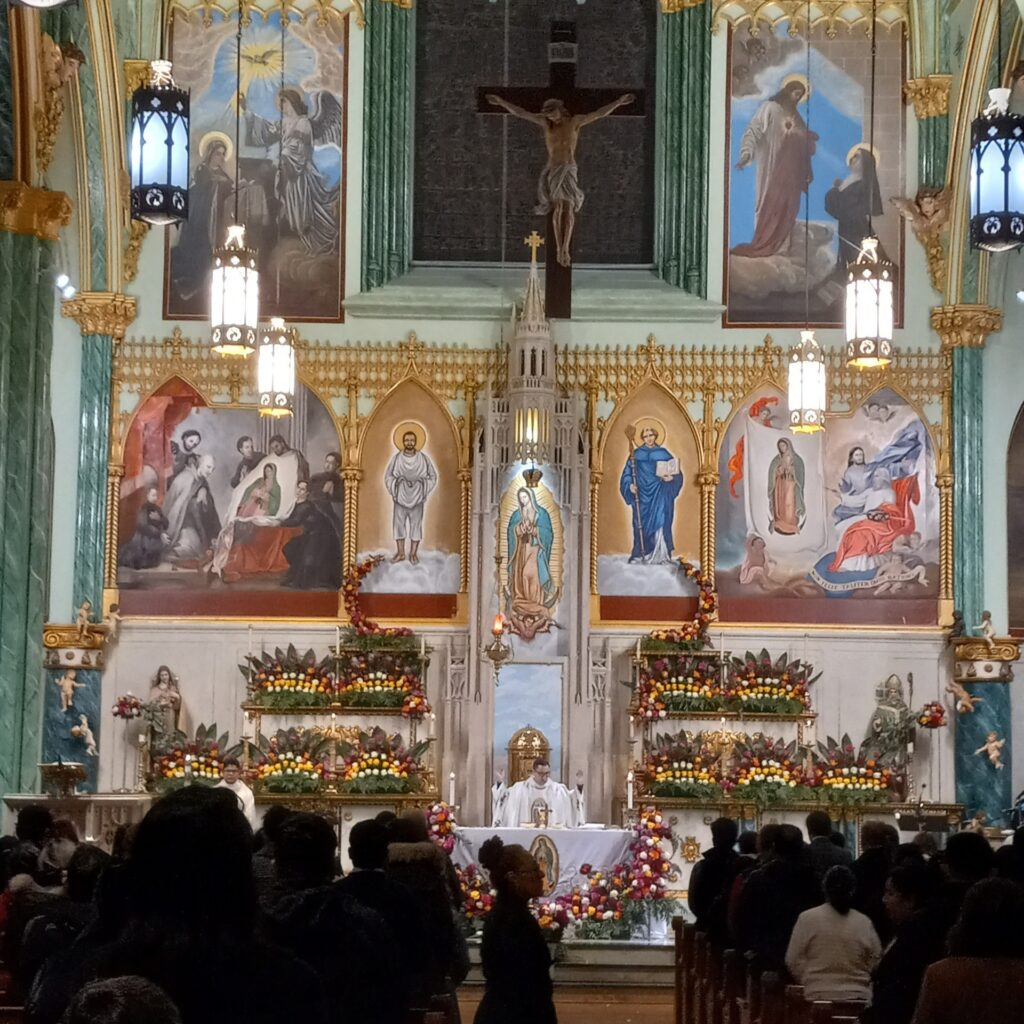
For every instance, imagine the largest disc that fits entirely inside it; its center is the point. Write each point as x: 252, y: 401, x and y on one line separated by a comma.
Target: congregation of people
x: 905, y: 933
x: 195, y: 919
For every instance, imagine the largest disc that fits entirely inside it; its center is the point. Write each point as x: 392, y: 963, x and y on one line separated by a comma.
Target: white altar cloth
x: 601, y: 848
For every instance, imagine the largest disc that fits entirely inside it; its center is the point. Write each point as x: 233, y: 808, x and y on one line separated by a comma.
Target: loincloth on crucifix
x: 558, y: 183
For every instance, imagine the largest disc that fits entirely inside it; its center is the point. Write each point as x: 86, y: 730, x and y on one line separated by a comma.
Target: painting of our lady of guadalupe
x: 223, y: 512
x: 834, y: 527
x: 286, y: 178
x: 808, y: 178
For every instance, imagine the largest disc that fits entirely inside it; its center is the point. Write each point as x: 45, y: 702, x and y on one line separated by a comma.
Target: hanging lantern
x: 158, y: 160
x: 869, y: 308
x: 275, y: 368
x: 234, y: 296
x: 997, y: 176
x: 807, y: 386
x: 40, y: 5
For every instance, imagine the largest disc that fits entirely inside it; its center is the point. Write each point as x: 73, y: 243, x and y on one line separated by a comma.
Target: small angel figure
x: 963, y: 700
x: 84, y: 733
x: 112, y: 620
x: 68, y: 686
x: 83, y: 617
x: 927, y: 213
x: 993, y: 749
x: 987, y: 630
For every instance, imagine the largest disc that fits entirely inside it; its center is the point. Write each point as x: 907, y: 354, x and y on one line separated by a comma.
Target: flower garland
x: 692, y: 635
x: 379, y: 679
x: 127, y: 707
x: 289, y: 772
x: 441, y: 826
x: 847, y: 775
x: 932, y: 715
x: 361, y: 625
x: 287, y: 682
x: 678, y: 684
x: 757, y: 684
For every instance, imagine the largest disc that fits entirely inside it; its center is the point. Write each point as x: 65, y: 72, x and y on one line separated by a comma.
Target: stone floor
x: 593, y: 1004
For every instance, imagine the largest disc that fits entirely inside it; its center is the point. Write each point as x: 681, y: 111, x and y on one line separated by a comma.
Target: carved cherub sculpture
x: 987, y: 630
x: 959, y: 627
x: 84, y: 733
x: 112, y: 620
x: 928, y: 213
x: 993, y: 749
x: 963, y: 699
x: 68, y: 685
x: 83, y: 617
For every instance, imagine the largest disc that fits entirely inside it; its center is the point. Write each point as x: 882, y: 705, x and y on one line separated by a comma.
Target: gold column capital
x: 675, y: 6
x: 929, y: 95
x: 101, y: 312
x: 966, y: 325
x: 25, y: 210
x: 136, y: 74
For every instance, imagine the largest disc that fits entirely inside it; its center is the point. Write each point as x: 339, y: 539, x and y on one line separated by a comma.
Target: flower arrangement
x: 692, y: 635
x: 648, y: 876
x: 183, y: 761
x: 286, y: 679
x: 361, y: 626
x: 382, y: 679
x: 682, y: 766
x: 932, y: 715
x: 765, y: 771
x: 291, y: 761
x: 441, y: 826
x: 379, y: 763
x: 758, y: 685
x: 848, y: 775
x: 127, y: 707
x: 678, y: 684
x: 477, y: 894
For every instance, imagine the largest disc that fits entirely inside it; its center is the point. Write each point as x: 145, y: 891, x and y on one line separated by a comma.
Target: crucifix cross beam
x: 559, y: 187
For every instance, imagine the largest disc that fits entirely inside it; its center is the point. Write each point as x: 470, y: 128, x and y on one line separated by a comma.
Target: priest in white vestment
x: 516, y: 805
x: 232, y: 780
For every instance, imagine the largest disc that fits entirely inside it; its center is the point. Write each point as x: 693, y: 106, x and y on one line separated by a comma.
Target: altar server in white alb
x: 516, y: 805
x: 410, y: 477
x: 232, y: 780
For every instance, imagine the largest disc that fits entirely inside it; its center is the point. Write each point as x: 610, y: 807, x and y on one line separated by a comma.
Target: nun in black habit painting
x: 314, y: 556
x: 853, y: 202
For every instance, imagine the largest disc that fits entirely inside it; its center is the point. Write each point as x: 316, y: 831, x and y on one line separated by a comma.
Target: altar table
x: 559, y: 851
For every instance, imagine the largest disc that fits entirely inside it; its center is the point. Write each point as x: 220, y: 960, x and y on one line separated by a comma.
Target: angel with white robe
x: 516, y: 805
x: 309, y: 205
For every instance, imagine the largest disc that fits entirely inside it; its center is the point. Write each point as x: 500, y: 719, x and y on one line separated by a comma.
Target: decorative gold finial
x: 534, y: 241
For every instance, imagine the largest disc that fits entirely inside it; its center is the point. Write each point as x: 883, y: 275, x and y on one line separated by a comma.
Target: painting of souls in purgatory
x: 225, y: 512
x: 841, y: 526
x: 807, y: 177
x: 286, y: 177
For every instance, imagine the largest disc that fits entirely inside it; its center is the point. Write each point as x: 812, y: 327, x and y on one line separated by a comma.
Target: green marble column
x: 26, y: 466
x: 681, y: 182
x: 6, y: 100
x: 93, y: 447
x: 932, y: 150
x: 387, y: 144
x: 979, y: 787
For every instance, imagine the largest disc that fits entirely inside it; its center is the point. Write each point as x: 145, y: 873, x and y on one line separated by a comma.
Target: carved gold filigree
x: 136, y: 235
x: 928, y: 214
x: 691, y: 850
x: 301, y: 9
x: 57, y: 65
x: 136, y: 74
x: 57, y: 636
x: 101, y: 312
x: 970, y: 648
x: 966, y: 325
x: 33, y: 211
x: 831, y: 14
x: 929, y: 95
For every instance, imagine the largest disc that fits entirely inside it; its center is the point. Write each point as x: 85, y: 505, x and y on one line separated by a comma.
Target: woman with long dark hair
x: 834, y: 948
x: 513, y: 953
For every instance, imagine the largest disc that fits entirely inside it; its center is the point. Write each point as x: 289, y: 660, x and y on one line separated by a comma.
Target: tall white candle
x: 433, y: 725
x: 337, y: 639
x: 423, y: 647
x: 629, y: 790
x: 250, y: 639
x: 451, y: 789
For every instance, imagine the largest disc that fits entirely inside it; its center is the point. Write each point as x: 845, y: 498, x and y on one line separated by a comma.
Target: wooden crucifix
x: 551, y: 107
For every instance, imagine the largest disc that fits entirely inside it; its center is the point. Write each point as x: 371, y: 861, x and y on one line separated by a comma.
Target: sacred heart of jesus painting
x: 284, y: 171
x: 808, y: 178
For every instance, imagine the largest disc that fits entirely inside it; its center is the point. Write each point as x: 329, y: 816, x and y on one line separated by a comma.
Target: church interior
x: 570, y: 433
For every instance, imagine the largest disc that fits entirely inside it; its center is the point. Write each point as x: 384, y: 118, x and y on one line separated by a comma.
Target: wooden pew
x: 678, y: 967
x: 713, y: 986
x: 688, y: 974
x: 702, y: 981
x: 773, y: 998
x: 733, y: 986
x: 798, y: 1010
x: 748, y: 1004
x: 838, y: 1012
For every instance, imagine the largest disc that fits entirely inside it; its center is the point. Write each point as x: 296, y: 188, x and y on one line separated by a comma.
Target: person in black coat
x: 314, y: 557
x: 879, y: 842
x: 146, y: 547
x: 822, y: 852
x: 711, y: 878
x: 514, y: 956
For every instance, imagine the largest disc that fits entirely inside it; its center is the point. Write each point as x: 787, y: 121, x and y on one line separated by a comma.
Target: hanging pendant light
x: 870, y: 279
x: 158, y: 153
x: 234, y: 279
x: 807, y: 386
x: 275, y: 368
x: 997, y: 176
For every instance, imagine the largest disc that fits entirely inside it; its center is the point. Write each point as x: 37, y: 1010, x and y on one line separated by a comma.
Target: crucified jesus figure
x: 558, y: 190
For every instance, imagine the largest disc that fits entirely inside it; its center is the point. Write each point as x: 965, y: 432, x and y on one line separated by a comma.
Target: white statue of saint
x: 516, y: 805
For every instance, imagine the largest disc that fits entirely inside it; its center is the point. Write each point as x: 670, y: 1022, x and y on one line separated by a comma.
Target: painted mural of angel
x: 309, y: 205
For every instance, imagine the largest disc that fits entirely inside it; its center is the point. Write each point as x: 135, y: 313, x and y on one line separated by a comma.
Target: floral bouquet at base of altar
x: 681, y: 766
x: 379, y: 763
x: 932, y: 715
x: 648, y: 875
x: 765, y: 771
x: 441, y: 826
x: 678, y: 684
x: 692, y: 635
x: 847, y: 775
x: 596, y: 907
x: 291, y: 761
x: 477, y: 895
x: 184, y: 761
x: 382, y: 679
x: 127, y: 707
x: 286, y: 679
x: 758, y: 685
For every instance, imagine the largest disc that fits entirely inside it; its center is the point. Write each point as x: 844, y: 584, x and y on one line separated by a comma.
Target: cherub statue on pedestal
x: 993, y: 749
x: 987, y: 630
